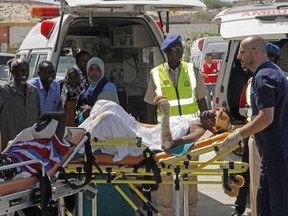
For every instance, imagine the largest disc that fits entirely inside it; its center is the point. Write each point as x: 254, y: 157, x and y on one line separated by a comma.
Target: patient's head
x: 208, y: 119
x: 44, y: 128
x: 216, y: 121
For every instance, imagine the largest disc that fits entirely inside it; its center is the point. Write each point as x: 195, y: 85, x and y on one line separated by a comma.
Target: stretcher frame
x: 123, y: 172
x: 19, y: 194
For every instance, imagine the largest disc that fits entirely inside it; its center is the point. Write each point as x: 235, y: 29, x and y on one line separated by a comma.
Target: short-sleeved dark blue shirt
x: 270, y: 89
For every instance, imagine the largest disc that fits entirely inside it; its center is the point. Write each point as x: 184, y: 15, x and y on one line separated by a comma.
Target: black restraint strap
x: 98, y: 89
x: 150, y: 161
x: 45, y: 193
x: 88, y: 166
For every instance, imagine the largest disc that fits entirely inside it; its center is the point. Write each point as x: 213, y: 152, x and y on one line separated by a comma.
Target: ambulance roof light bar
x: 45, y: 11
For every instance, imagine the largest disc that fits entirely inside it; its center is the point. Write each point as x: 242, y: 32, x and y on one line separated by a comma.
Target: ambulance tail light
x: 200, y: 44
x: 159, y: 25
x: 47, y: 28
x: 45, y: 11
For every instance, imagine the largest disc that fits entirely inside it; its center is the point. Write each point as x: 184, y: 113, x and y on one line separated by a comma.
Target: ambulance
x: 121, y: 33
x: 200, y: 47
x: 269, y: 21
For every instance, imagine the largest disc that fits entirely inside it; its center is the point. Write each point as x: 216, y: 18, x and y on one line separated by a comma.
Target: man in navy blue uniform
x: 269, y: 103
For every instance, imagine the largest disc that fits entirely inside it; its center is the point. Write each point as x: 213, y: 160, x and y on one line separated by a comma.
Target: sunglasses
x: 176, y: 48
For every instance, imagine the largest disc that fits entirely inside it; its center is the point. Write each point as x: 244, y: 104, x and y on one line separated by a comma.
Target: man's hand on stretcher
x: 231, y: 140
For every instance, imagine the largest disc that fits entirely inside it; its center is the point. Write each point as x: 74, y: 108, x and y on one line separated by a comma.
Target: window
x: 34, y: 61
x: 64, y: 63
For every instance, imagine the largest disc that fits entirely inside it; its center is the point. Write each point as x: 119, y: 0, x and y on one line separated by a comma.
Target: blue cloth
x: 108, y: 86
x: 180, y: 150
x: 270, y: 89
x: 109, y: 201
x: 170, y: 41
x: 274, y: 49
x: 49, y: 102
x: 89, y: 97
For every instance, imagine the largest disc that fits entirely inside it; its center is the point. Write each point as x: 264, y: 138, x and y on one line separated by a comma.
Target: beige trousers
x: 165, y: 196
x: 254, y: 167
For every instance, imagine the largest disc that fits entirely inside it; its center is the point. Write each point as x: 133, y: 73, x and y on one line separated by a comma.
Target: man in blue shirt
x: 269, y: 102
x: 48, y: 88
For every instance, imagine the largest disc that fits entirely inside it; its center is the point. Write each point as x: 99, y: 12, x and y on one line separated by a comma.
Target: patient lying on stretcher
x: 45, y: 146
x: 108, y: 121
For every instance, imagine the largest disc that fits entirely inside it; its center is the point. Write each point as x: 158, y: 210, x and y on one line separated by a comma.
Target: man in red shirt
x: 209, y: 72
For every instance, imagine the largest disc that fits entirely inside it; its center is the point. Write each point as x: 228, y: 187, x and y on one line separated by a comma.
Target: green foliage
x: 214, y: 4
x: 192, y: 36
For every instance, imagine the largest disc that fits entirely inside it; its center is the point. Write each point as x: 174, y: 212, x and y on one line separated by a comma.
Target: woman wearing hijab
x: 73, y: 85
x: 99, y: 88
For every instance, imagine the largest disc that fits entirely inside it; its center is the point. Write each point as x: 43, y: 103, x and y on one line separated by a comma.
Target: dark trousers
x: 272, y: 195
x: 240, y: 203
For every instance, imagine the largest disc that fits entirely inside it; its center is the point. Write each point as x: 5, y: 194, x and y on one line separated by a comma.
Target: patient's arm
x: 195, y: 132
x: 166, y: 137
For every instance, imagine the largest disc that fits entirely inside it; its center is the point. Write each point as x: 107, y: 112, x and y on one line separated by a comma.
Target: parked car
x: 4, y: 69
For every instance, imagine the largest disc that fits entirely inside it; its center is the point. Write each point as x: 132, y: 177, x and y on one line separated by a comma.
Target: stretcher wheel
x: 232, y: 191
x: 239, y: 181
x: 89, y: 195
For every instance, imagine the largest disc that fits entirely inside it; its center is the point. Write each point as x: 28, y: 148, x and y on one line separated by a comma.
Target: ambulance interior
x: 128, y: 49
x: 239, y: 77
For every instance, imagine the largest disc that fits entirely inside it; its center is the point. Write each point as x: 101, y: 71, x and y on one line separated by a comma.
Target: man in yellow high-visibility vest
x: 178, y: 81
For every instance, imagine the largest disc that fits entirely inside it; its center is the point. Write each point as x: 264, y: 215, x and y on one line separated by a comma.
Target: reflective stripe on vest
x: 182, y: 99
x: 248, y: 101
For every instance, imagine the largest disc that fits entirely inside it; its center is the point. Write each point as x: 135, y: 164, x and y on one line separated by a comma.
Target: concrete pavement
x: 212, y: 199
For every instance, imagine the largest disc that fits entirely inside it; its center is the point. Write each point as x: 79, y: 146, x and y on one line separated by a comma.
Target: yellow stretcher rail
x: 180, y: 167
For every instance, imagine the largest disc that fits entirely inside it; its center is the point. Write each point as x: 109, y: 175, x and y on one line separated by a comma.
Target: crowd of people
x: 86, y: 93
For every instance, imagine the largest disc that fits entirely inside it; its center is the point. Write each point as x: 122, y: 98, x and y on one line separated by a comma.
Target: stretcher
x: 16, y: 195
x: 147, y: 169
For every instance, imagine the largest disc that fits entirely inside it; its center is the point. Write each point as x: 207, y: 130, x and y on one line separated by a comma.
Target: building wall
x: 185, y: 30
x: 12, y: 34
x: 4, y: 35
x: 17, y: 35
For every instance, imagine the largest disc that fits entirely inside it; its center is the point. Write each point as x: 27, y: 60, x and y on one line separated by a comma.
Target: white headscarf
x: 47, y: 132
x: 98, y: 62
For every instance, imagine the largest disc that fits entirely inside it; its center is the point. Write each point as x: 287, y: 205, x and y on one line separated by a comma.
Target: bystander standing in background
x: 209, y: 72
x: 48, y: 88
x: 73, y: 85
x: 19, y: 103
x: 82, y: 58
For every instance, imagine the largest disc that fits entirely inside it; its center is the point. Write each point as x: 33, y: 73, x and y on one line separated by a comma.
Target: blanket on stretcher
x: 109, y: 121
